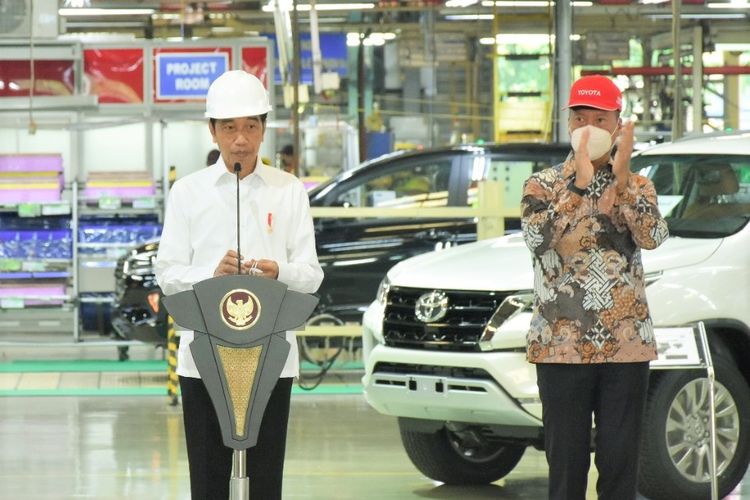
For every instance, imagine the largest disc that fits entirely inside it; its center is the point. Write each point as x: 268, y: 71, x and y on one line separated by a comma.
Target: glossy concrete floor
x: 132, y: 447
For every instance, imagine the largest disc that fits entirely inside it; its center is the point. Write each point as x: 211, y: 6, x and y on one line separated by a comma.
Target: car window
x: 417, y: 184
x: 700, y: 195
x: 511, y: 172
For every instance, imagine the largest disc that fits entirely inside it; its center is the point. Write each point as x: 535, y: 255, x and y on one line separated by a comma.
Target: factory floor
x: 75, y: 424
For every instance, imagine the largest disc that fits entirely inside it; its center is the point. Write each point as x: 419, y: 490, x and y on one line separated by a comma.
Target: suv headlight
x: 383, y: 289
x: 512, y: 305
x: 140, y: 264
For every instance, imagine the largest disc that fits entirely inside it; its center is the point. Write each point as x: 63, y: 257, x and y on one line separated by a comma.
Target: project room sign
x: 181, y: 75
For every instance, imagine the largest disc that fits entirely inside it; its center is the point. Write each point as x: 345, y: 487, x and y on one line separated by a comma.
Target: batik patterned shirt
x: 589, y: 292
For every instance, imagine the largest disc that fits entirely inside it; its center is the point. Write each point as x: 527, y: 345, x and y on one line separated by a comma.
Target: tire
x: 675, y: 444
x: 320, y: 350
x: 442, y: 456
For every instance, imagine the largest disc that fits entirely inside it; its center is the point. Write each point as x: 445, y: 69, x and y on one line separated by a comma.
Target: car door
x: 356, y: 253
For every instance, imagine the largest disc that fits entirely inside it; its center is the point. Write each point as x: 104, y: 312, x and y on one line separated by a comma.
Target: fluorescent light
x: 460, y: 3
x: 322, y: 6
x: 106, y: 12
x: 699, y: 16
x: 531, y: 3
x: 732, y: 47
x: 534, y: 38
x: 732, y: 4
x: 376, y: 38
x: 470, y: 17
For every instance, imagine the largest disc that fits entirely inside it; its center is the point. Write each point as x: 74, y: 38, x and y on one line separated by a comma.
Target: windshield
x: 701, y: 196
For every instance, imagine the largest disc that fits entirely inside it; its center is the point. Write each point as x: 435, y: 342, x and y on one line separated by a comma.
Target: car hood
x: 505, y: 264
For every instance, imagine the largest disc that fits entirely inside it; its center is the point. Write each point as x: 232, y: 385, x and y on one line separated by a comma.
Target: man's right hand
x: 584, y: 167
x: 228, y: 264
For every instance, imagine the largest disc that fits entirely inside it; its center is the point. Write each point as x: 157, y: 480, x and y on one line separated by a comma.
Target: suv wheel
x: 322, y: 351
x: 448, y: 457
x: 675, y: 449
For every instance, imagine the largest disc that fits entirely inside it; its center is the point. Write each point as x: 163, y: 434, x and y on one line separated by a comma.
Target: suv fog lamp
x: 512, y: 305
x: 153, y: 301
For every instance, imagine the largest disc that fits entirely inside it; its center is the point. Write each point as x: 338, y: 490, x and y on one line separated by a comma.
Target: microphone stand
x: 239, y: 483
x: 237, y: 169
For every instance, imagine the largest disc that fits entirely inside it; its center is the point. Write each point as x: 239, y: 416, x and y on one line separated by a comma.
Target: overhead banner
x: 183, y: 75
x: 114, y: 75
x: 51, y: 78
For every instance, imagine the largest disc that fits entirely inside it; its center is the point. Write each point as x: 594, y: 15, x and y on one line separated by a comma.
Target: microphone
x: 237, y: 168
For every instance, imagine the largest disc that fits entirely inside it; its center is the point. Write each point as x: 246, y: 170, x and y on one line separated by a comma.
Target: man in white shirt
x: 199, y: 240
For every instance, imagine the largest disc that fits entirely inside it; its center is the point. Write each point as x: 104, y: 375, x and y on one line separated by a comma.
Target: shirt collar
x: 218, y: 171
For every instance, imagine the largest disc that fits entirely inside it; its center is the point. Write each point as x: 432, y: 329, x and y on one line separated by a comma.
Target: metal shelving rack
x: 42, y: 319
x: 101, y: 268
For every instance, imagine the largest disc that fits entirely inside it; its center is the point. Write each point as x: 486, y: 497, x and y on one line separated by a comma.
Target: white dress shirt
x: 200, y: 226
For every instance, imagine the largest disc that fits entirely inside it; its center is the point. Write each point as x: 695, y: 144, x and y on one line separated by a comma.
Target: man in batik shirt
x: 591, y: 336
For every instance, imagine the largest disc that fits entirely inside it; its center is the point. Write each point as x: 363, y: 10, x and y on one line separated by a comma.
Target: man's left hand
x: 261, y: 267
x: 621, y: 164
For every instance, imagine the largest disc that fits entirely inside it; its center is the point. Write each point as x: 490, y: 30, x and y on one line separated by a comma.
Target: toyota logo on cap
x: 431, y: 307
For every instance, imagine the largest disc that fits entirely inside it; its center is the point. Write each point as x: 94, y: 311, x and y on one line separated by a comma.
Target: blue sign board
x: 181, y: 75
x: 333, y: 54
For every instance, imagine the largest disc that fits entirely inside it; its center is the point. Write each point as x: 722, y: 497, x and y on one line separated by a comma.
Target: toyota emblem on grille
x: 431, y: 306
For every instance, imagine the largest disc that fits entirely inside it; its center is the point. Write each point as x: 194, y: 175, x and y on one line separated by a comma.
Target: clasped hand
x: 620, y: 166
x: 260, y: 267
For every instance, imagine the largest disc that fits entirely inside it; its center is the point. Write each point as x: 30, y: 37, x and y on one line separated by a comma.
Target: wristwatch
x: 572, y: 187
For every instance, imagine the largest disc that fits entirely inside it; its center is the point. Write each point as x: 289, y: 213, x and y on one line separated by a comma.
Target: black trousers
x: 211, y: 462
x: 615, y: 393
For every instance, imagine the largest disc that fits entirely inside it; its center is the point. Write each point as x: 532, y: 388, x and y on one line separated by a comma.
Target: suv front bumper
x: 402, y: 382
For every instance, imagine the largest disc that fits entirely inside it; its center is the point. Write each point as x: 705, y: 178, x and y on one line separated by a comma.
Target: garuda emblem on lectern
x: 239, y: 309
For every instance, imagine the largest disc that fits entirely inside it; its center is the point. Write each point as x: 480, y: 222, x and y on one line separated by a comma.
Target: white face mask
x: 600, y: 141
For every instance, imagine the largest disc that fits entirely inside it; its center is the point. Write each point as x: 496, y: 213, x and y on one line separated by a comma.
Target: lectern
x: 240, y: 349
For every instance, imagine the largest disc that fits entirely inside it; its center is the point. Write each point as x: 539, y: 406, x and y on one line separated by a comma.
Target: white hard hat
x: 236, y: 94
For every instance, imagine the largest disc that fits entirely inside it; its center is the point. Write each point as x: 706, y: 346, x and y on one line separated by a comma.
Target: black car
x: 356, y: 253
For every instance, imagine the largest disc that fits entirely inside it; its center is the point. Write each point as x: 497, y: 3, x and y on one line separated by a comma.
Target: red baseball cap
x: 595, y: 91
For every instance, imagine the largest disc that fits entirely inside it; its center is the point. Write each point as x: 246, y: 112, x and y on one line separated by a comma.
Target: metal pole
x: 296, y: 73
x: 563, y: 66
x: 239, y: 484
x: 361, y: 96
x: 697, y: 79
x: 712, y: 409
x: 677, y: 123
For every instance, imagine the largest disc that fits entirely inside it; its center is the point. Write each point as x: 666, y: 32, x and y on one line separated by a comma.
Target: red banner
x: 255, y: 62
x: 115, y: 75
x: 51, y: 78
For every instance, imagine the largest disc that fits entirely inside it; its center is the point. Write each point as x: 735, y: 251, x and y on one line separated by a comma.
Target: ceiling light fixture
x: 470, y: 17
x: 324, y: 6
x: 461, y: 3
x: 732, y: 4
x: 77, y: 4
x: 531, y: 3
x: 700, y: 16
x: 105, y: 12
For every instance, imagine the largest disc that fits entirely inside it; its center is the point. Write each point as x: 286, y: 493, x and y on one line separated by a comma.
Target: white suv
x: 444, y: 342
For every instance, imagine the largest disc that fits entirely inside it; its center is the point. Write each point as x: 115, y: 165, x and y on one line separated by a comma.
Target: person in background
x: 288, y: 159
x: 197, y: 242
x: 591, y: 337
x: 212, y: 156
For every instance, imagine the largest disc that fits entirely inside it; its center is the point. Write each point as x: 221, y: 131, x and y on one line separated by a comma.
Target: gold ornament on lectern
x: 239, y: 309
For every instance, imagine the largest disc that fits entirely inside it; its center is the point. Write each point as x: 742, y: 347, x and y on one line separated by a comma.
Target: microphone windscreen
x: 237, y: 167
